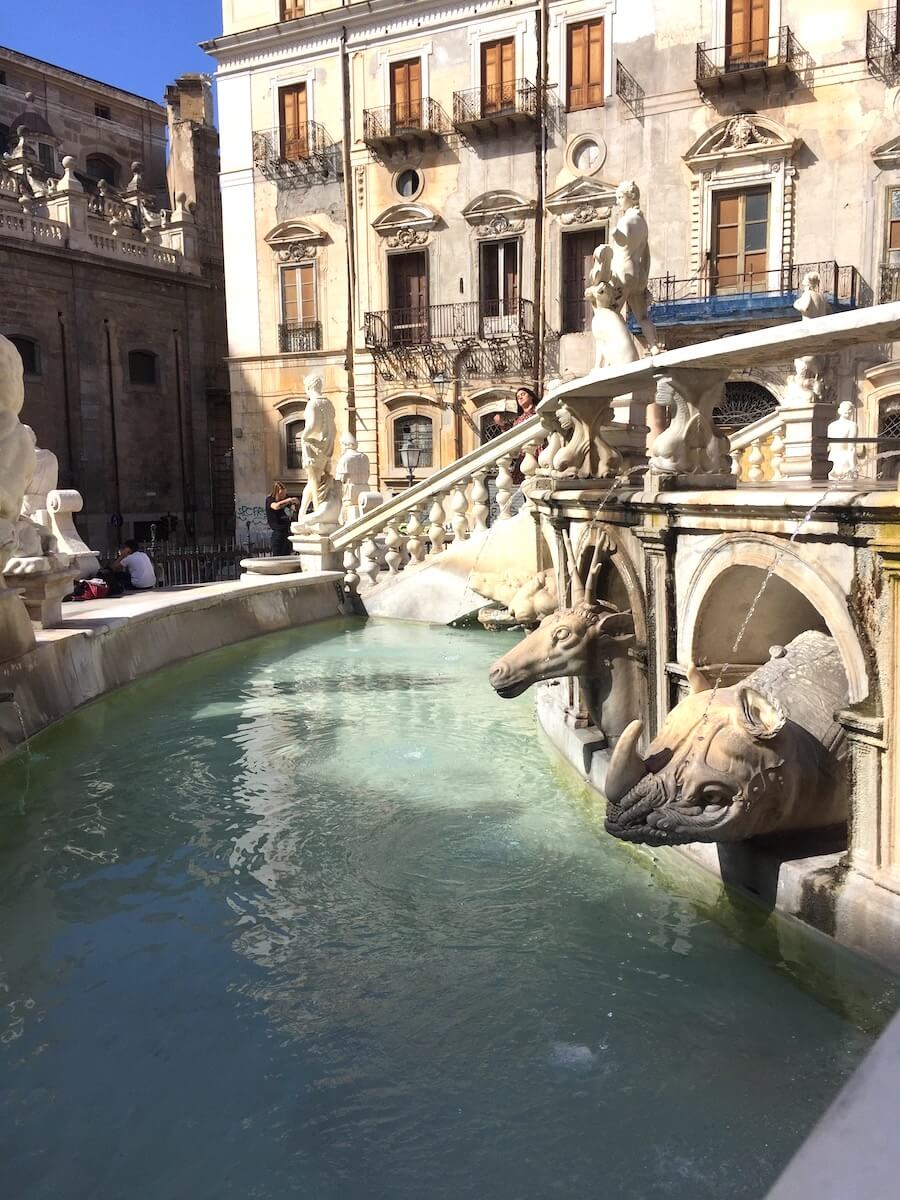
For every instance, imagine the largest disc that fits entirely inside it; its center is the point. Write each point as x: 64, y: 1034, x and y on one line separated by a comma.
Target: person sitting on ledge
x: 132, y: 570
x: 279, y: 519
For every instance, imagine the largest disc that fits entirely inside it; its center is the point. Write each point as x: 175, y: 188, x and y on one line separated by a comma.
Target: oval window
x: 408, y: 184
x: 586, y: 156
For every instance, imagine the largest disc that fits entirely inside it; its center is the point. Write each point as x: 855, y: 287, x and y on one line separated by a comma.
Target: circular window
x: 587, y: 155
x: 408, y: 184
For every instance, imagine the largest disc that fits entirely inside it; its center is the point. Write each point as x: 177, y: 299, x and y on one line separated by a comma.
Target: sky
x: 137, y: 47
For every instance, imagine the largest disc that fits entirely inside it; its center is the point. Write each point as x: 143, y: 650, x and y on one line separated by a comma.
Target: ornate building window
x: 577, y: 259
x: 293, y: 444
x: 584, y: 65
x: 292, y: 9
x: 744, y: 403
x: 293, y: 123
x: 142, y: 368
x: 98, y: 167
x: 419, y: 431
x: 29, y: 352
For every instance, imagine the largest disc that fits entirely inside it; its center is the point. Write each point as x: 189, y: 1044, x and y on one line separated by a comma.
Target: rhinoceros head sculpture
x: 578, y: 640
x: 734, y: 763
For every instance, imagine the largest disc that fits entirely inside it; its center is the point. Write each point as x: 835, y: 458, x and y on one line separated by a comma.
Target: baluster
x: 459, y: 506
x: 754, y: 463
x: 777, y: 452
x: 415, y: 543
x: 393, y: 542
x: 481, y: 500
x: 505, y: 487
x: 351, y: 574
x: 436, y: 524
x: 529, y: 470
x: 370, y: 566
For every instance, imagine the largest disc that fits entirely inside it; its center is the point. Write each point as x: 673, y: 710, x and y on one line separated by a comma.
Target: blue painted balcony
x: 756, y: 297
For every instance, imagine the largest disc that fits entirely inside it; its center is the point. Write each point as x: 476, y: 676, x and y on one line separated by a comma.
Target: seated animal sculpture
x: 760, y: 757
x: 527, y: 598
x: 580, y: 640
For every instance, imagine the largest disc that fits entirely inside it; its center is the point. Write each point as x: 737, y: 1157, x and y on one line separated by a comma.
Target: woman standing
x: 279, y: 519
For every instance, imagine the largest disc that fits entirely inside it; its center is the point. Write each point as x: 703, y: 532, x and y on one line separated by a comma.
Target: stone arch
x: 815, y: 601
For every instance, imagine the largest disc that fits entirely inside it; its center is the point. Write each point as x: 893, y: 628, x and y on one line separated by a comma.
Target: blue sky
x: 137, y: 47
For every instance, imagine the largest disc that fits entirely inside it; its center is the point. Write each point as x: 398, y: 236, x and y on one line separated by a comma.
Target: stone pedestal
x: 42, y: 594
x: 278, y: 564
x: 16, y: 632
x: 806, y: 441
x: 315, y: 552
x: 660, y: 481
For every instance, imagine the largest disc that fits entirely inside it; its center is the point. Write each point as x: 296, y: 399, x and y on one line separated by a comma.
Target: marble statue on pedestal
x: 619, y: 279
x: 843, y: 451
x: 17, y: 463
x: 807, y: 384
x: 352, y: 472
x: 320, y: 504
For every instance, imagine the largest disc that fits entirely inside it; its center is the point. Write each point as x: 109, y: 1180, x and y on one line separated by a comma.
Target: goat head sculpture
x: 579, y: 640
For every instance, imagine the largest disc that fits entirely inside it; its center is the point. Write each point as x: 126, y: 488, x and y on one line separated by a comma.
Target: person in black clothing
x: 279, y: 519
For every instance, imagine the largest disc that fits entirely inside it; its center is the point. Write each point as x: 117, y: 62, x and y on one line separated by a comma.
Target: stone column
x: 878, y: 831
x: 866, y: 753
x: 659, y: 587
x: 69, y: 204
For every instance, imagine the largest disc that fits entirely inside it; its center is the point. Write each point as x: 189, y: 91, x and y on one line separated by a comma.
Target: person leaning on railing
x: 527, y: 402
x: 279, y: 519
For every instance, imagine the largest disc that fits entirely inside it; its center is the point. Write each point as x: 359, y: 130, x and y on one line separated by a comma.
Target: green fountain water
x: 318, y: 916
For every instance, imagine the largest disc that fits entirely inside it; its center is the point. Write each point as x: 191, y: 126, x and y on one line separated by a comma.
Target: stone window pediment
x: 293, y: 241
x: 582, y: 202
x: 742, y: 137
x: 887, y: 156
x: 406, y: 224
x: 497, y: 213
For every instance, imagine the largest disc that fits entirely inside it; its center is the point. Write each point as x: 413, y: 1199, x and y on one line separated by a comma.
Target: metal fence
x: 177, y: 566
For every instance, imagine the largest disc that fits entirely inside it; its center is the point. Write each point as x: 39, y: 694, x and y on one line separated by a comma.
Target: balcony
x: 417, y: 123
x: 756, y: 296
x: 766, y: 61
x: 889, y: 289
x: 299, y: 337
x: 464, y: 322
x: 495, y: 109
x: 882, y: 48
x: 306, y: 155
x: 629, y: 91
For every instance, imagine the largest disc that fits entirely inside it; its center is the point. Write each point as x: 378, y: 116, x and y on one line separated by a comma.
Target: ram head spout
x: 579, y: 640
x: 727, y: 765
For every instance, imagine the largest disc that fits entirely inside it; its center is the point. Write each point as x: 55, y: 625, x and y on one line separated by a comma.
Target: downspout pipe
x: 350, y: 211
x: 117, y: 489
x: 67, y: 399
x: 543, y: 23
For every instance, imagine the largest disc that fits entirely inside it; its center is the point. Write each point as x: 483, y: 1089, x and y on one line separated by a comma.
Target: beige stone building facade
x: 412, y: 194
x: 111, y: 256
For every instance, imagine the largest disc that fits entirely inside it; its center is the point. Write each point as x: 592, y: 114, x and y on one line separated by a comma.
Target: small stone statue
x: 316, y: 445
x: 843, y: 450
x: 352, y: 472
x: 17, y: 456
x: 614, y: 343
x: 624, y: 265
x: 811, y: 303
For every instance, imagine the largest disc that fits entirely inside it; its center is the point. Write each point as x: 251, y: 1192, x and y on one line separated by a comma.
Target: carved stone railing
x: 757, y: 450
x: 411, y: 526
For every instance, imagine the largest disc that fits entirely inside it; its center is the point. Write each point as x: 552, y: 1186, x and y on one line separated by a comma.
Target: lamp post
x: 409, y: 455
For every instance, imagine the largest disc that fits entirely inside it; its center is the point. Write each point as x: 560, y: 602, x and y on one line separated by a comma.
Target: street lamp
x: 439, y: 382
x: 409, y: 454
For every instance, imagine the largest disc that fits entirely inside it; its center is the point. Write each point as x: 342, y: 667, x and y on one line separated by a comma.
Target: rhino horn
x: 626, y: 767
x: 763, y: 718
x: 697, y: 680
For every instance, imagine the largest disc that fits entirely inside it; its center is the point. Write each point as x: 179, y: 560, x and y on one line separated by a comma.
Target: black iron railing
x: 485, y: 319
x: 297, y: 156
x: 629, y: 91
x: 781, y: 52
x: 517, y: 98
x: 841, y: 285
x: 297, y: 337
x: 422, y: 116
x: 180, y: 566
x: 882, y: 49
x: 889, y: 283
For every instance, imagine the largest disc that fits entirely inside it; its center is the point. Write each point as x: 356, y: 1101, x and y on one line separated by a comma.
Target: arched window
x: 98, y: 167
x: 29, y: 352
x: 889, y: 438
x: 744, y: 402
x: 142, y: 367
x: 418, y: 432
x: 293, y: 444
x: 495, y: 423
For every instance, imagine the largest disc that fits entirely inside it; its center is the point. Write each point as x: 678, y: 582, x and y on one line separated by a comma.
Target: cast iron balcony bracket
x: 299, y: 337
x: 299, y: 157
x: 882, y: 49
x: 416, y: 121
x: 756, y: 60
x: 629, y: 91
x: 496, y: 107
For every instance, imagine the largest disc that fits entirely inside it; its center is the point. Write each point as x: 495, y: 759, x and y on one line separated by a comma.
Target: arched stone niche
x: 798, y: 596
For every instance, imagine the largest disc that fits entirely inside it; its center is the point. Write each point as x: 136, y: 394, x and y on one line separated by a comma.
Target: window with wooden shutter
x: 747, y: 25
x: 577, y: 260
x: 408, y: 297
x: 893, y: 227
x: 740, y: 241
x: 292, y: 9
x: 498, y: 76
x: 294, y: 123
x: 585, y: 65
x: 406, y: 94
x: 298, y: 294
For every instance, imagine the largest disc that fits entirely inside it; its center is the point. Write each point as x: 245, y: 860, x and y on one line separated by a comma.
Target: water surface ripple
x: 318, y: 916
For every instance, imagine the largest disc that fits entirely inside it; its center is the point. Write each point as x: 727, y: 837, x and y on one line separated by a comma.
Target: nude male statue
x: 624, y: 263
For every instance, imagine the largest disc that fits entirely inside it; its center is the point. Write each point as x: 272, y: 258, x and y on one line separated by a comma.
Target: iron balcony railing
x: 298, y: 155
x: 753, y: 293
x: 299, y: 337
x: 516, y: 99
x: 882, y: 48
x: 766, y: 55
x: 629, y: 91
x: 469, y: 320
x: 396, y: 122
x: 889, y: 290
